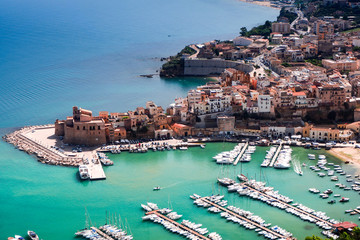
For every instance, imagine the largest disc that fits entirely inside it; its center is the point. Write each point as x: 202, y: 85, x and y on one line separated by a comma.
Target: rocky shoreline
x: 44, y: 155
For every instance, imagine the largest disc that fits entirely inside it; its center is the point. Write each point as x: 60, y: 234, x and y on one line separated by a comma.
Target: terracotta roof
x: 179, y: 125
x: 299, y: 94
x: 345, y: 225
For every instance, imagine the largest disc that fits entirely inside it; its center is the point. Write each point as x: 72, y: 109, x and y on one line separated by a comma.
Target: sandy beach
x: 347, y: 154
x: 260, y: 3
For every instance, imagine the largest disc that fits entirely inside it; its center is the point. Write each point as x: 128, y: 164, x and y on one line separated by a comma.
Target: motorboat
x: 84, y: 172
x: 332, y: 201
x: 344, y: 199
x: 334, y: 178
x: 202, y: 146
x: 157, y: 188
x: 311, y: 156
x: 18, y: 237
x: 314, y: 190
x: 328, y: 191
x: 322, y: 157
x: 33, y: 235
x: 183, y: 148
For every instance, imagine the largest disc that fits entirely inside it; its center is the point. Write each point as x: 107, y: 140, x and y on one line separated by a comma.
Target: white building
x: 242, y: 41
x: 264, y: 103
x: 356, y: 42
x: 300, y: 99
x: 194, y: 97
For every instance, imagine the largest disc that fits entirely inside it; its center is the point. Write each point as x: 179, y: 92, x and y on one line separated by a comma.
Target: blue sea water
x: 90, y: 53
x: 56, y: 54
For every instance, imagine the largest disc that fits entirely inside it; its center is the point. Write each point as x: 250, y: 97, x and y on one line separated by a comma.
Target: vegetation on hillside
x: 314, y: 61
x: 263, y: 30
x: 354, y: 235
x: 337, y: 10
x: 175, y: 65
x: 289, y: 15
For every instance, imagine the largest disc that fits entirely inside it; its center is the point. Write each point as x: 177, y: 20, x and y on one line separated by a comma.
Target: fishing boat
x: 344, y: 199
x: 33, y: 235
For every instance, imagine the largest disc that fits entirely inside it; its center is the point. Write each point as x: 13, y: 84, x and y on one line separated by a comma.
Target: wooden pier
x: 178, y: 224
x: 275, y: 155
x: 289, y: 205
x: 241, y: 153
x: 102, y: 233
x: 205, y: 199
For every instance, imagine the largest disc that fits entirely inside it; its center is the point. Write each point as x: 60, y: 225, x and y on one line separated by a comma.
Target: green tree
x: 313, y: 238
x: 243, y: 31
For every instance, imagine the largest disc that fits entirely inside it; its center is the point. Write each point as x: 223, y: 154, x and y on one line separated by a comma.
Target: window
x: 78, y: 128
x: 83, y: 127
x: 98, y: 128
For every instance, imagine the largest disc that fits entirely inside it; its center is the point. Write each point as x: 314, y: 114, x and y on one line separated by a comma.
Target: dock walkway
x: 96, y: 171
x: 289, y: 205
x: 276, y: 155
x: 205, y: 199
x: 241, y: 153
x: 178, y: 224
x: 102, y: 233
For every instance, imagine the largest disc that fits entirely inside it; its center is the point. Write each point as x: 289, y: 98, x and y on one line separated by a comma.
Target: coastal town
x: 303, y: 79
x: 291, y: 83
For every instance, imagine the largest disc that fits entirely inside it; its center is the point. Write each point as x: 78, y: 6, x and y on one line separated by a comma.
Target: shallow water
x: 52, y: 200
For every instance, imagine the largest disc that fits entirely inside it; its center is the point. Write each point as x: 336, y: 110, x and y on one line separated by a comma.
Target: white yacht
x: 84, y: 172
x: 311, y: 156
x: 33, y: 235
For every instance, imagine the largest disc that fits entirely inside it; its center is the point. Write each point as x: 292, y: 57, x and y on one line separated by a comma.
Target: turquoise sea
x: 56, y: 54
x: 52, y: 200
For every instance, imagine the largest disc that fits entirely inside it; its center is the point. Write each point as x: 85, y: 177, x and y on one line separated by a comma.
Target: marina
x: 275, y: 155
x: 235, y: 212
x: 257, y: 190
x: 186, y: 228
x: 169, y: 169
x: 241, y: 153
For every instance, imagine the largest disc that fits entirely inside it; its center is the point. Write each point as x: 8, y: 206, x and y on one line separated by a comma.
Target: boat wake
x: 172, y: 185
x: 297, y: 166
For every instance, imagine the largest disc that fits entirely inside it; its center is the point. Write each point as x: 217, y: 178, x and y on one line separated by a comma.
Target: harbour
x: 212, y: 201
x: 179, y: 183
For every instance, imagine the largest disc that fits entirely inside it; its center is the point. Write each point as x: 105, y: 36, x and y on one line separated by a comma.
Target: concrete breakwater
x: 44, y: 151
x: 50, y: 149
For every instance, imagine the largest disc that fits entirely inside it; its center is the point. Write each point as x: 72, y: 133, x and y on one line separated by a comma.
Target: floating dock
x: 206, y: 199
x: 241, y: 153
x: 289, y: 205
x: 275, y: 155
x: 96, y: 171
x: 178, y: 224
x: 102, y: 233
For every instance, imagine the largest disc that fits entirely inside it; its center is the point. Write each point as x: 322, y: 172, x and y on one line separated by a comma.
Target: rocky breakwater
x: 45, y: 154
